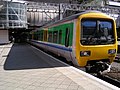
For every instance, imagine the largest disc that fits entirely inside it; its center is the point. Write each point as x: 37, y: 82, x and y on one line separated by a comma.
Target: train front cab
x: 96, y: 41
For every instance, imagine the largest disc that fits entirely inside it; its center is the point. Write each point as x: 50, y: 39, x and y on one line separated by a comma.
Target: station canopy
x: 50, y: 1
x: 45, y: 1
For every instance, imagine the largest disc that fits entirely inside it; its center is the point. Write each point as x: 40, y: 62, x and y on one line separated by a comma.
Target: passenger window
x: 55, y: 36
x: 50, y: 37
x: 41, y: 36
x: 35, y: 36
x: 60, y: 36
x: 30, y: 36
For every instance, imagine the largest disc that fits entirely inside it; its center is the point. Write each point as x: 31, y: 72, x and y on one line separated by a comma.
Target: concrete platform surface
x: 23, y: 67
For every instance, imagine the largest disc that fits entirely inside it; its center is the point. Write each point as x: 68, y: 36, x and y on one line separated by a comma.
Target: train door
x: 45, y: 38
x: 67, y: 37
x: 45, y: 35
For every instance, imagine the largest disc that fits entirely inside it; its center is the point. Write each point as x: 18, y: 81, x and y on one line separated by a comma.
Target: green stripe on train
x: 61, y: 37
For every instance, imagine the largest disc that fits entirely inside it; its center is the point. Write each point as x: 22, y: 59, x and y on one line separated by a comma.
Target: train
x: 87, y: 39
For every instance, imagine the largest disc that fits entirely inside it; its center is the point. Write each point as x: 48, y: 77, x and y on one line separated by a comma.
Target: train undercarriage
x: 98, y: 67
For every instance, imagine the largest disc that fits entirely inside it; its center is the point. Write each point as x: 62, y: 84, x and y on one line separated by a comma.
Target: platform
x: 23, y: 67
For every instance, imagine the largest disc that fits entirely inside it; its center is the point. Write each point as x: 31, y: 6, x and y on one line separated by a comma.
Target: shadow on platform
x: 23, y: 56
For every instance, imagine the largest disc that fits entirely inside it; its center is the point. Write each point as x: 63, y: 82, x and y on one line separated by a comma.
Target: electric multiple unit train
x: 86, y: 39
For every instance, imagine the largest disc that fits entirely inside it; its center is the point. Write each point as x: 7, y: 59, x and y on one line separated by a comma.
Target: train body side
x: 61, y: 44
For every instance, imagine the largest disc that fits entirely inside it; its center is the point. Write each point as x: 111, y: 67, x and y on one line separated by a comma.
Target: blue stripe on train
x: 58, y: 47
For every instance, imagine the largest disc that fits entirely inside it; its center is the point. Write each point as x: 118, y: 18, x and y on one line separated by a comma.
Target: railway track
x: 110, y: 80
x: 113, y: 76
x: 117, y: 58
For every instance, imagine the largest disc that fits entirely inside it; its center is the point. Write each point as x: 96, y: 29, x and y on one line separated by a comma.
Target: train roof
x: 70, y: 18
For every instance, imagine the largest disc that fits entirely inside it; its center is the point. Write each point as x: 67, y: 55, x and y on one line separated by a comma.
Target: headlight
x: 111, y: 51
x: 85, y: 53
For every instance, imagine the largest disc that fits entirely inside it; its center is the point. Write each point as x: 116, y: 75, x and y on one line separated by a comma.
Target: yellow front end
x: 97, y: 52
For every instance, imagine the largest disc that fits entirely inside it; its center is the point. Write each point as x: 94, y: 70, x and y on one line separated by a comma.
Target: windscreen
x: 97, y: 32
